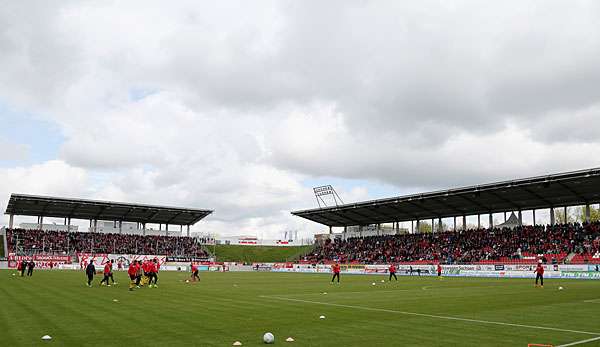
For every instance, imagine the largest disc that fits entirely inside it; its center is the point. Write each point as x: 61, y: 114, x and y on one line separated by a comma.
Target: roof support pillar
x: 464, y: 224
x: 69, y: 224
x: 478, y: 221
x: 188, y: 230
x: 520, y: 218
x: 144, y: 229
x: 11, y: 219
x: 166, y: 229
x: 588, y: 213
x: 120, y: 227
x: 566, y: 215
x: 95, y: 227
x: 159, y: 227
x: 454, y: 223
x: 552, y: 218
x: 534, y: 217
x: 330, y: 230
x: 412, y: 226
x: 41, y: 222
x: 440, y: 226
x: 418, y: 226
x: 504, y: 216
x: 491, y: 222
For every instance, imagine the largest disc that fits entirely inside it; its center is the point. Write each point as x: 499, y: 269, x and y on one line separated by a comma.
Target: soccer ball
x: 560, y: 288
x: 268, y: 338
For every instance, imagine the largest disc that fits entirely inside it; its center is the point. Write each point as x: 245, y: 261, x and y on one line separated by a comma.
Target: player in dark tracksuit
x: 90, y: 271
x: 23, y: 267
x: 30, y: 267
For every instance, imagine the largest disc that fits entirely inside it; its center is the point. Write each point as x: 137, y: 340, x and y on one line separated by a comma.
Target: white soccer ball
x: 321, y: 317
x: 268, y: 338
x: 373, y: 283
x: 560, y: 288
x: 187, y: 281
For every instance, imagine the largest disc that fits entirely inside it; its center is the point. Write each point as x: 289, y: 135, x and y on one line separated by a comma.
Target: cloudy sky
x: 244, y: 106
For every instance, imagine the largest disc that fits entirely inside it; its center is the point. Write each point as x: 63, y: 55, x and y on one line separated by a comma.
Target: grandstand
x: 559, y: 243
x: 572, y: 243
x: 118, y: 218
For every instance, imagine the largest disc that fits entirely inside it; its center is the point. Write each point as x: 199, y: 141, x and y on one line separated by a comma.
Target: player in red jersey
x: 439, y: 270
x: 392, y: 270
x: 336, y: 272
x: 145, y: 272
x: 138, y: 273
x: 111, y: 275
x: 107, y: 270
x: 132, y: 272
x: 539, y: 271
x: 195, y: 276
x: 152, y: 268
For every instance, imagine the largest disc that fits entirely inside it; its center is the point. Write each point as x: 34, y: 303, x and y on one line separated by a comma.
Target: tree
x: 559, y: 216
x: 424, y: 227
x: 575, y: 214
x: 580, y: 214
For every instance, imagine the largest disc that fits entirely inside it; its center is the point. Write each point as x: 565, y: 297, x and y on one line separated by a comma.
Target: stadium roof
x: 31, y: 205
x: 564, y: 189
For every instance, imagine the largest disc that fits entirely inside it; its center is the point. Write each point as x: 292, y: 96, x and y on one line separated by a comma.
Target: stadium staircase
x: 206, y: 248
x: 3, y: 244
x: 570, y: 257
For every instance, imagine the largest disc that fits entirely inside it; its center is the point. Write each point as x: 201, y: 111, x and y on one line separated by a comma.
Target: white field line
x: 434, y: 316
x: 394, y: 290
x: 594, y: 301
x: 357, y: 292
x: 580, y: 342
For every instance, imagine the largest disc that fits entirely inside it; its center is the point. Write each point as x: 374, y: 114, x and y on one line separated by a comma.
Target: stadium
x: 300, y: 173
x: 484, y: 290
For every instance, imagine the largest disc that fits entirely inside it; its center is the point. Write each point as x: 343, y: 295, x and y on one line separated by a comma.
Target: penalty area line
x: 437, y: 316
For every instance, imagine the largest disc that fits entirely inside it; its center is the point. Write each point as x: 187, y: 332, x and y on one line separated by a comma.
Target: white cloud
x: 54, y: 177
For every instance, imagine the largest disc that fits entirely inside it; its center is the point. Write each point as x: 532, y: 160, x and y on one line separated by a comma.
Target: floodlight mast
x: 327, y: 190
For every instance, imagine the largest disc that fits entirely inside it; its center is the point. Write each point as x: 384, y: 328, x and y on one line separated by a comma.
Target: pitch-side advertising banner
x: 486, y: 270
x: 41, y: 261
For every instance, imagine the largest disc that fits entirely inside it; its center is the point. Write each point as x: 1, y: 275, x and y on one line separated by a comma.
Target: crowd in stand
x: 464, y: 246
x: 62, y: 242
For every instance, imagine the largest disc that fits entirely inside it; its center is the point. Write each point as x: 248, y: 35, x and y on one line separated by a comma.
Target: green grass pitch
x: 226, y: 307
